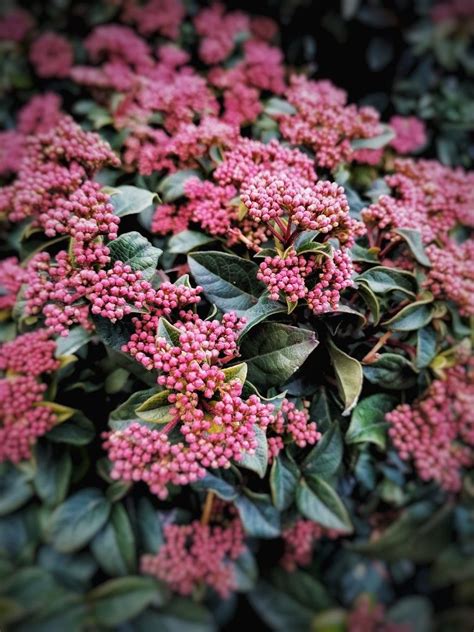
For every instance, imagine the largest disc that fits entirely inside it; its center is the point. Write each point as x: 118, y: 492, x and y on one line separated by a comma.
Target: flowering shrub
x: 235, y: 357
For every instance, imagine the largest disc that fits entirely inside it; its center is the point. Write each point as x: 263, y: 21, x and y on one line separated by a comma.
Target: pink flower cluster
x: 52, y: 55
x: 12, y: 276
x: 324, y: 122
x: 410, y: 134
x: 367, y: 616
x: 289, y: 421
x: 197, y: 555
x: 30, y: 354
x: 54, y: 188
x: 219, y: 31
x: 425, y: 196
x: 299, y: 540
x: 15, y: 25
x: 215, y: 423
x: 23, y: 415
x: 289, y: 206
x: 451, y: 276
x: 155, y: 16
x: 437, y: 431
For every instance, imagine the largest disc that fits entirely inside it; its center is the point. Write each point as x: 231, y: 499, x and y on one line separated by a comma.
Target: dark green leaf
x: 172, y: 187
x: 349, y: 376
x: 119, y: 600
x: 325, y: 458
x: 76, y: 338
x: 259, y: 517
x: 318, y: 501
x: 425, y: 347
x: 53, y: 473
x: 126, y: 414
x: 15, y: 489
x: 283, y: 482
x: 136, y: 251
x: 187, y: 240
x: 381, y: 280
x: 414, y: 316
x: 391, y: 371
x: 257, y: 462
x: 114, y: 545
x: 274, y: 351
x: 413, y: 239
x: 76, y: 431
x: 231, y: 283
x: 129, y: 200
x: 368, y: 423
x: 74, y: 523
x: 155, y: 409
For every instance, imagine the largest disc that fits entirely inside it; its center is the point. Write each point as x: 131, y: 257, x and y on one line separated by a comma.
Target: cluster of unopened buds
x: 291, y: 423
x: 198, y: 555
x: 24, y: 416
x: 289, y: 207
x: 216, y: 425
x: 300, y: 540
x: 437, y: 431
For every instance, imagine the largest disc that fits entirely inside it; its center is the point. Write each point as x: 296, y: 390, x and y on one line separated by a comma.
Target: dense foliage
x: 236, y: 376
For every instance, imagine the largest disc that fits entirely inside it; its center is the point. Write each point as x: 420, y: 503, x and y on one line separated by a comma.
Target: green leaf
x: 169, y: 332
x: 411, y: 611
x: 246, y: 571
x: 60, y: 612
x: 15, y: 489
x: 126, y: 413
x: 116, y: 380
x: 376, y: 142
x: 30, y: 587
x: 318, y: 501
x: 413, y: 239
x: 148, y: 526
x: 74, y: 523
x: 76, y: 431
x: 414, y: 316
x: 275, y: 106
x: 325, y: 458
x: 283, y: 481
x: 114, y: 546
x: 180, y: 615
x: 366, y: 255
x: 425, y: 347
x: 130, y: 200
x: 280, y: 611
x: 370, y: 299
x: 368, y: 423
x: 391, y: 371
x: 302, y: 587
x: 76, y: 338
x: 172, y: 187
x: 258, y: 461
x: 236, y: 372
x: 187, y: 240
x: 274, y: 351
x: 156, y: 409
x: 381, y: 280
x: 136, y: 251
x: 231, y: 283
x: 218, y: 485
x: 114, y: 335
x: 119, y: 600
x: 259, y: 517
x: 53, y: 473
x: 418, y: 535
x: 349, y: 376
